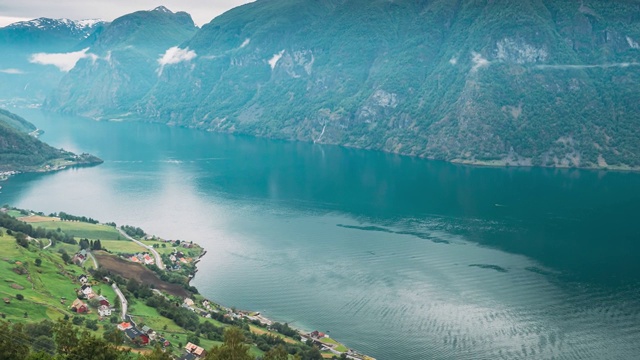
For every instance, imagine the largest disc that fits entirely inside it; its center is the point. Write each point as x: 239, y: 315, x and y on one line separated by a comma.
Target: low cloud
x: 12, y: 71
x: 175, y: 55
x: 63, y: 61
x: 274, y: 60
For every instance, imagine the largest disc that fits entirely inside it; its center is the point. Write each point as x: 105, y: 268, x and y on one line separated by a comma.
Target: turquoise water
x: 399, y: 258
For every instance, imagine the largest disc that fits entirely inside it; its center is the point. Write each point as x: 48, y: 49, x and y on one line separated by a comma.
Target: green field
x: 118, y: 246
x: 82, y: 230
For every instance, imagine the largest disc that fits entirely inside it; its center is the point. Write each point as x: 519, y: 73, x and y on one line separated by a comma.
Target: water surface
x: 400, y: 258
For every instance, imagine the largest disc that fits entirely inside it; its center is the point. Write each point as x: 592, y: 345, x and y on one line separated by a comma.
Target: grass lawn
x: 257, y: 330
x: 118, y: 246
x: 82, y: 230
x: 339, y: 346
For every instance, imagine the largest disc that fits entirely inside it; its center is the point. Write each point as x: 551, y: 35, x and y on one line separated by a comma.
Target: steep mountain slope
x: 532, y: 82
x: 22, y: 152
x: 19, y: 77
x: 16, y: 122
x: 124, y: 65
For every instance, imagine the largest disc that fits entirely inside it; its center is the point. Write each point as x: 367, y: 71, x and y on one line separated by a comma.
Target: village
x: 140, y: 335
x: 93, y: 288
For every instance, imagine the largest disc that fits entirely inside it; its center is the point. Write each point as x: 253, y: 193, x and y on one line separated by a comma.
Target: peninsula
x: 63, y: 271
x: 21, y: 151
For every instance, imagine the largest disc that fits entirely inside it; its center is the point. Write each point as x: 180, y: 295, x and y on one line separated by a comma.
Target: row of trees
x: 133, y: 231
x: 90, y: 244
x: 16, y: 226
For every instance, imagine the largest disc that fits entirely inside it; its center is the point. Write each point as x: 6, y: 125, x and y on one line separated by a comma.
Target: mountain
x: 48, y: 34
x: 16, y: 122
x: 19, y: 151
x: 531, y: 82
x: 123, y: 67
x: 19, y: 75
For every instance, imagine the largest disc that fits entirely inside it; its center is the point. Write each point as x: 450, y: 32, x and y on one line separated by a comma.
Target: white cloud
x: 8, y: 20
x: 175, y: 55
x: 12, y: 71
x: 274, y: 60
x: 63, y: 61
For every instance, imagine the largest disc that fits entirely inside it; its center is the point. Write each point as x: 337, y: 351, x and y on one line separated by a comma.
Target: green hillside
x: 22, y: 152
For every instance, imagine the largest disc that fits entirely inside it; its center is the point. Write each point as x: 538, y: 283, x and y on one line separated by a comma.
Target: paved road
x: 123, y: 302
x: 50, y: 242
x: 95, y: 263
x: 150, y: 248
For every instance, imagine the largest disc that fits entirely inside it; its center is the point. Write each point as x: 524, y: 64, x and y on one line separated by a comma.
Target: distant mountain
x: 126, y: 63
x: 530, y: 82
x: 48, y: 34
x: 21, y: 78
x: 22, y: 152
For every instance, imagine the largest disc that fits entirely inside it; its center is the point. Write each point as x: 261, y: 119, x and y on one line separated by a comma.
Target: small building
x: 79, y: 306
x: 103, y: 301
x: 189, y: 302
x: 145, y: 329
x: 148, y: 260
x: 124, y: 326
x: 195, y: 350
x: 83, y: 279
x: 188, y: 356
x: 136, y: 336
x: 104, y: 310
x: 86, y: 289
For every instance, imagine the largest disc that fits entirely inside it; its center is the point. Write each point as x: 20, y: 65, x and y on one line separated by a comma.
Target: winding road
x: 95, y: 263
x: 150, y: 248
x: 123, y: 302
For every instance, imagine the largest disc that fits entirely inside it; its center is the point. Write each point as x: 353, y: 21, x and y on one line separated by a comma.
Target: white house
x: 104, y: 311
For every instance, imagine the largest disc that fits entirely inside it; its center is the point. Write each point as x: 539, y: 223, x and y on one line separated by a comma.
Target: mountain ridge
x: 530, y: 83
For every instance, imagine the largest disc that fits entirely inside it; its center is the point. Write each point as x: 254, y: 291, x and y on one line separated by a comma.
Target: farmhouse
x: 79, y: 307
x: 136, y: 336
x: 195, y: 350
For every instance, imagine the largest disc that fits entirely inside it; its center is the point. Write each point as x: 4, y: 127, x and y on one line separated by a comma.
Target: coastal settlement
x: 107, y: 279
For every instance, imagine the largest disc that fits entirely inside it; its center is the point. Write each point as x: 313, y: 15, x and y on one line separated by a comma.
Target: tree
x: 13, y: 342
x: 313, y: 354
x: 38, y: 262
x: 277, y: 353
x: 19, y: 296
x: 77, y: 320
x: 65, y: 336
x: 233, y: 347
x: 66, y: 258
x: 194, y: 339
x: 157, y: 354
x: 44, y: 343
x: 39, y: 356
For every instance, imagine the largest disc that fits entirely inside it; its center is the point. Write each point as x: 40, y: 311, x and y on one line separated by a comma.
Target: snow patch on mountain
x: 82, y: 28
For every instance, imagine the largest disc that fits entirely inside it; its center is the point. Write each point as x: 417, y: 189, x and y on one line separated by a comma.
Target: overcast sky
x: 202, y: 11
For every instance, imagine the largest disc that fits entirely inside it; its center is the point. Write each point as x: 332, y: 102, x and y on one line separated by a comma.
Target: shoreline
x: 258, y: 315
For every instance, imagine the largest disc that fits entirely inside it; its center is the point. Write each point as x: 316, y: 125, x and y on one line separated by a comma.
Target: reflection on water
x: 401, y: 258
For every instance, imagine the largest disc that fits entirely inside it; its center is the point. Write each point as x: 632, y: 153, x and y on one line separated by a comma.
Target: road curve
x: 150, y: 248
x: 123, y: 302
